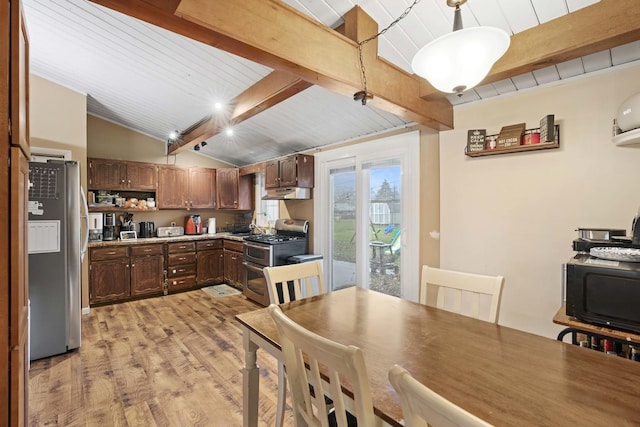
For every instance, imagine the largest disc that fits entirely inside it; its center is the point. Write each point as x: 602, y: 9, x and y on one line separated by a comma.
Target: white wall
x: 516, y: 214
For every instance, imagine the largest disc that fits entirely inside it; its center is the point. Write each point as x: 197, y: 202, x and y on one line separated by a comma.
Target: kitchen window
x: 267, y: 211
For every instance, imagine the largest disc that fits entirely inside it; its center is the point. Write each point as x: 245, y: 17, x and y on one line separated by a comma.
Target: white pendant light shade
x: 461, y: 59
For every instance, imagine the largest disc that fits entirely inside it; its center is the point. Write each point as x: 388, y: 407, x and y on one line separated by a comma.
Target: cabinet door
x: 19, y: 290
x: 147, y: 274
x: 173, y: 184
x: 202, y: 184
x: 106, y: 174
x: 227, y: 187
x: 210, y: 267
x: 142, y: 176
x: 233, y: 269
x: 288, y: 172
x: 272, y: 174
x: 109, y: 280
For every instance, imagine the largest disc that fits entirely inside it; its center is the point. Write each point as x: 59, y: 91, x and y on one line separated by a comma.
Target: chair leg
x: 282, y: 395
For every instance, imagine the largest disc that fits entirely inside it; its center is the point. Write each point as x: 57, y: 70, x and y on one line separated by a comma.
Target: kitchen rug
x: 218, y: 291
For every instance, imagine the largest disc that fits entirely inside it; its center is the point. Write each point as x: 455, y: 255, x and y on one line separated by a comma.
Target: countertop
x: 186, y: 237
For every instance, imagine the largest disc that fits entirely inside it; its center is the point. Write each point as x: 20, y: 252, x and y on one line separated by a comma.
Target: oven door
x: 255, y: 284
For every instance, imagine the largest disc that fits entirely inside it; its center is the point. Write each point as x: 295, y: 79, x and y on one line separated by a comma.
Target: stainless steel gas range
x: 268, y: 250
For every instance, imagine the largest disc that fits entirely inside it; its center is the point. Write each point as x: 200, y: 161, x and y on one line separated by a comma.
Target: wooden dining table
x: 504, y: 376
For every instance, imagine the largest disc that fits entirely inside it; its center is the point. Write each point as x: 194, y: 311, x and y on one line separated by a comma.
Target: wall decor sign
x: 476, y: 139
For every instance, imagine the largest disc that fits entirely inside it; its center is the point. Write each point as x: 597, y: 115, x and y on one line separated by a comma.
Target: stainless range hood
x: 289, y: 193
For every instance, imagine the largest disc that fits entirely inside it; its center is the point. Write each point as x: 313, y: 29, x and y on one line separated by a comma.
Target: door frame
x: 405, y: 146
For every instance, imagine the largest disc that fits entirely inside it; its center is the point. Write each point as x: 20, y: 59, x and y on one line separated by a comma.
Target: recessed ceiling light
x: 229, y: 132
x: 217, y: 106
x: 173, y: 135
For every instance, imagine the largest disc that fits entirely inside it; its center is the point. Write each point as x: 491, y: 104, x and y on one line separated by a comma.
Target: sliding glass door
x: 366, y: 210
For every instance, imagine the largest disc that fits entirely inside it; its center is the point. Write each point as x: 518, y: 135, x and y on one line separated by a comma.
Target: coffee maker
x: 193, y: 224
x: 109, y: 227
x: 96, y: 221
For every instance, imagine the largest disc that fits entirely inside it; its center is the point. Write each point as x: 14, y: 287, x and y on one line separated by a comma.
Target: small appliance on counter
x: 96, y: 221
x: 147, y: 229
x: 193, y: 224
x: 170, y: 231
x: 109, y: 229
x: 603, y: 278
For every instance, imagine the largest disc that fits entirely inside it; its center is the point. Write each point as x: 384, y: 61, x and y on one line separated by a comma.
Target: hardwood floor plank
x: 169, y: 361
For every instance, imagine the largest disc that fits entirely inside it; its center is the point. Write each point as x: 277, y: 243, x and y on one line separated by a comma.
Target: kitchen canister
x: 211, y: 226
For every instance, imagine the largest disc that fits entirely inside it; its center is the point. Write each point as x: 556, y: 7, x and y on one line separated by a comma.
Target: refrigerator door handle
x: 85, y: 209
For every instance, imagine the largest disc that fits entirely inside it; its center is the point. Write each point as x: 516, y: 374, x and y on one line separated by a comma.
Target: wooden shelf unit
x: 519, y: 148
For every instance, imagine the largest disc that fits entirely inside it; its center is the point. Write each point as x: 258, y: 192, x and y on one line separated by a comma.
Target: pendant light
x: 460, y: 60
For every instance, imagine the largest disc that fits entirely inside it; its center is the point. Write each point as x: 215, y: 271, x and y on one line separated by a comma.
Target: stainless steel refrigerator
x: 55, y: 257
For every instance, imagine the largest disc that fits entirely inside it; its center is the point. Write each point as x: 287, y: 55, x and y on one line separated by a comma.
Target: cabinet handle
x: 148, y: 250
x: 174, y: 271
x: 111, y: 253
x: 129, y: 182
x: 122, y: 181
x: 182, y: 258
x: 183, y: 247
x: 133, y: 265
x: 127, y: 265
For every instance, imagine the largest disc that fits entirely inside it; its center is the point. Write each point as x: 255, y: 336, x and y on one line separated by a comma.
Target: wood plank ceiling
x: 156, y: 81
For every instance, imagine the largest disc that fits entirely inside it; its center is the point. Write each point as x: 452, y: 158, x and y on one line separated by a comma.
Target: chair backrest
x: 339, y: 362
x: 305, y: 275
x: 455, y: 284
x: 421, y: 405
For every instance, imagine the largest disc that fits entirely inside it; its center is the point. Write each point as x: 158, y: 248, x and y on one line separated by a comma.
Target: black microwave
x: 604, y: 292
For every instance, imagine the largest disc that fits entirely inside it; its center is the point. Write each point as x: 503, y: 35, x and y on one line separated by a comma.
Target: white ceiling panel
x: 154, y: 81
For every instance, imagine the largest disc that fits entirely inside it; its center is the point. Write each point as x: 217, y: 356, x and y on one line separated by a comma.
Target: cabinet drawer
x: 181, y: 259
x: 181, y: 247
x: 181, y: 270
x: 182, y: 283
x: 233, y: 245
x: 113, y: 252
x: 209, y: 244
x: 140, y: 250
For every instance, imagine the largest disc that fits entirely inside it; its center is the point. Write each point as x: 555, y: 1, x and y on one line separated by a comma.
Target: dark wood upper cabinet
x: 202, y: 184
x: 173, y: 185
x: 232, y: 190
x: 292, y: 171
x: 106, y: 174
x: 186, y: 188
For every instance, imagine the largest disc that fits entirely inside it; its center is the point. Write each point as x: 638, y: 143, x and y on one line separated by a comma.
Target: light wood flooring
x: 169, y: 361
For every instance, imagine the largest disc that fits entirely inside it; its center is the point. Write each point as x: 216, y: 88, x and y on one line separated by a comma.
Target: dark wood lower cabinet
x: 123, y: 272
x: 210, y: 262
x: 109, y: 280
x: 233, y: 267
x: 147, y: 269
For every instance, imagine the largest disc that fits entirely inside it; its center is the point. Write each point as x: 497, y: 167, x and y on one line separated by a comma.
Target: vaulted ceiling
x: 286, y: 77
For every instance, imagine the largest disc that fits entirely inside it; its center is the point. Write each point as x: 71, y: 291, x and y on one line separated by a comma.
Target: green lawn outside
x: 344, y: 238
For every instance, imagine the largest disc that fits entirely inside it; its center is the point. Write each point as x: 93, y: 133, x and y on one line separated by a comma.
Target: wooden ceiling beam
x: 282, y: 38
x: 267, y: 92
x: 601, y: 26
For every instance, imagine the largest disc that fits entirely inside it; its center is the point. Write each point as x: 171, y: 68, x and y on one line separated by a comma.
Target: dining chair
x: 285, y: 283
x: 454, y: 285
x: 339, y: 362
x: 293, y: 281
x: 421, y: 405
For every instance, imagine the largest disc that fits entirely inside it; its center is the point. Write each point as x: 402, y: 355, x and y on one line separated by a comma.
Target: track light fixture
x: 197, y: 147
x: 203, y: 143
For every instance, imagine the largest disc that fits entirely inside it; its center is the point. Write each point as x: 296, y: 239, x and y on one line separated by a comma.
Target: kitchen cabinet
x: 181, y: 266
x: 292, y: 171
x: 109, y: 277
x: 106, y: 174
x: 185, y: 188
x: 202, y: 184
x: 210, y: 262
x: 232, y: 190
x: 147, y: 269
x: 233, y: 267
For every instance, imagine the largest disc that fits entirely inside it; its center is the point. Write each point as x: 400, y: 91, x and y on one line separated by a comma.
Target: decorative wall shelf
x: 630, y: 137
x: 519, y: 148
x: 119, y: 209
